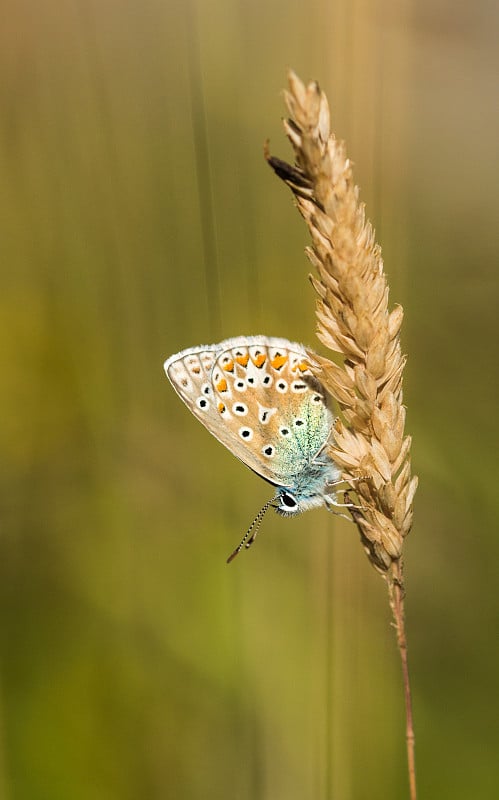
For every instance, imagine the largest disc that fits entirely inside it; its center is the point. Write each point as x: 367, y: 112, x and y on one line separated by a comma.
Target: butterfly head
x: 312, y: 487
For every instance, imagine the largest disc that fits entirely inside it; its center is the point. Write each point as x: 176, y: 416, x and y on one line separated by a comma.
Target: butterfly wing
x: 259, y: 398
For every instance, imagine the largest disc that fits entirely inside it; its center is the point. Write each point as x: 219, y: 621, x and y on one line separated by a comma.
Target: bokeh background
x: 138, y: 217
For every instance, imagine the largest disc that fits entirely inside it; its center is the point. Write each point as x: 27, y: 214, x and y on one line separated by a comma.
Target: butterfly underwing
x: 258, y: 396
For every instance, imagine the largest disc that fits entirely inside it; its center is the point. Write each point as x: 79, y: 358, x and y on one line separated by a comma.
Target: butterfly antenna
x: 250, y: 535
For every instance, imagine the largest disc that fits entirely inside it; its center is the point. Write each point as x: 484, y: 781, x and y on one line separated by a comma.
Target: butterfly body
x: 258, y: 396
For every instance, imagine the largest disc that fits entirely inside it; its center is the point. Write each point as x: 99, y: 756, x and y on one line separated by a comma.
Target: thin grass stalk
x: 369, y: 442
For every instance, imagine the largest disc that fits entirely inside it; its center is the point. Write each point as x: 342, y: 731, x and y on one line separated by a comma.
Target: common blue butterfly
x: 258, y: 396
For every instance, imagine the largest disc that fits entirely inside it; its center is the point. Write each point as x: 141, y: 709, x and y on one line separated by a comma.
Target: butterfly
x: 257, y: 395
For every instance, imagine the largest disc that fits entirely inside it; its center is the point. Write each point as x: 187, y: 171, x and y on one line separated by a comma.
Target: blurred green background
x: 138, y: 217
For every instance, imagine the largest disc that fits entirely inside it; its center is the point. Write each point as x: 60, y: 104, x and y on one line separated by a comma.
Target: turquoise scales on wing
x: 258, y: 397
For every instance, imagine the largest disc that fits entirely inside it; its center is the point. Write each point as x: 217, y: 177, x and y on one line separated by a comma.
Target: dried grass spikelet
x: 353, y: 319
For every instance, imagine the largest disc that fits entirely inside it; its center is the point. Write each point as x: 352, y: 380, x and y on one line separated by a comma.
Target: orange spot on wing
x: 242, y: 360
x: 279, y: 361
x: 303, y: 366
x: 229, y: 366
x: 221, y: 408
x: 221, y: 385
x: 260, y: 360
x: 196, y: 370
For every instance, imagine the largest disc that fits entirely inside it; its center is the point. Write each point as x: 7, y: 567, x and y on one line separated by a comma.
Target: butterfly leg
x: 349, y: 481
x: 333, y: 500
x: 331, y: 503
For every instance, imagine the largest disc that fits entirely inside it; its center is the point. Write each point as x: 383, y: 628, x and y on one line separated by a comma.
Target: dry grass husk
x: 353, y: 319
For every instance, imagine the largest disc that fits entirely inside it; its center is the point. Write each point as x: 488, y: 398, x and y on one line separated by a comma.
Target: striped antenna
x: 250, y: 535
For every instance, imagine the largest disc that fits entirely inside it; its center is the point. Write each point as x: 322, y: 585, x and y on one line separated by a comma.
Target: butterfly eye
x: 288, y: 502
